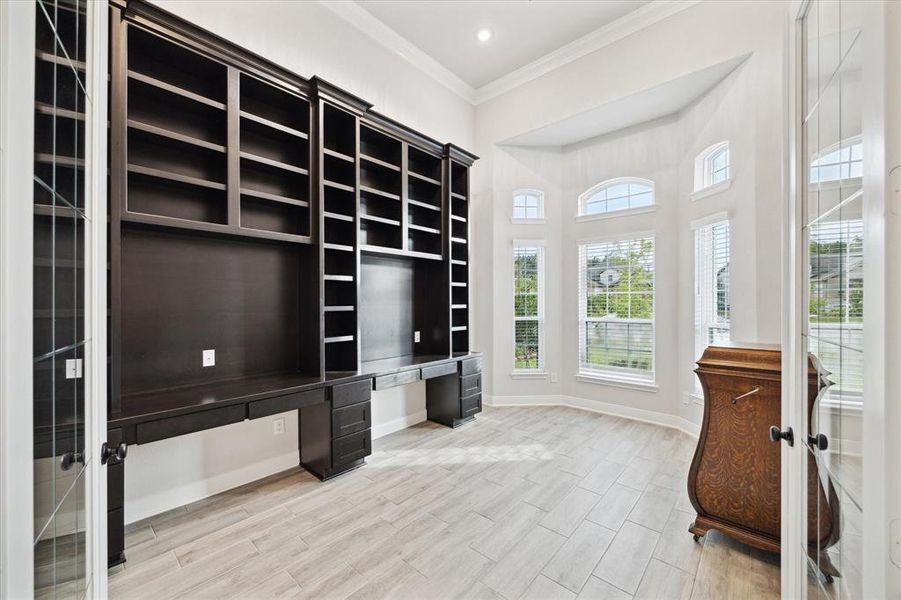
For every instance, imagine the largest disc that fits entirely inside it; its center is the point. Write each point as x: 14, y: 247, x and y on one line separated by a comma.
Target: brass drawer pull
x: 746, y: 394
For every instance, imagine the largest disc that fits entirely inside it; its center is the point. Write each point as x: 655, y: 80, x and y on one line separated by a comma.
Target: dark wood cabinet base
x: 332, y: 473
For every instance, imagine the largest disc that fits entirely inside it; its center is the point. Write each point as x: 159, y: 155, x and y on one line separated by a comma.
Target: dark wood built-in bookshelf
x: 319, y: 247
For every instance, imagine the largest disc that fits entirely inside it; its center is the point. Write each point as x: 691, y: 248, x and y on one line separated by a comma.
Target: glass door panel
x: 833, y: 232
x: 61, y: 563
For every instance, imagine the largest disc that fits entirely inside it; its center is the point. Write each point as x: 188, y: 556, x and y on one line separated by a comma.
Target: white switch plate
x: 74, y: 368
x: 209, y: 358
x: 278, y: 426
x: 554, y: 378
x: 415, y: 337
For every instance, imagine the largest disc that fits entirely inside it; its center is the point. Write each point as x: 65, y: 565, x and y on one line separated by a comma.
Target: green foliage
x: 635, y: 277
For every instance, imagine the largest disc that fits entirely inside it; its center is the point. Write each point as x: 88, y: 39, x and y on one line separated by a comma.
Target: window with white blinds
x: 528, y: 308
x: 616, y: 309
x: 712, y: 296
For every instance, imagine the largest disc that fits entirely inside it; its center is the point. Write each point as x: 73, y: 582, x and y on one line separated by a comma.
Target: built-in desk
x: 333, y: 411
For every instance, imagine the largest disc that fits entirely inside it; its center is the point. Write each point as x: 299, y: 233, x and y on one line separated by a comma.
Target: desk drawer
x: 280, y: 404
x: 470, y: 405
x: 351, y: 447
x: 351, y: 393
x: 470, y: 384
x: 471, y: 366
x: 403, y: 378
x: 439, y: 370
x: 175, y: 426
x: 351, y: 419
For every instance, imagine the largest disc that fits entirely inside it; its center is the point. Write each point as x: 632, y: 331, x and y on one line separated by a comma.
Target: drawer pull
x: 746, y: 394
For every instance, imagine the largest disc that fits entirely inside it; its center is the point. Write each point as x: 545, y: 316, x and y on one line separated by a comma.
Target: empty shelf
x: 341, y: 308
x: 458, y: 240
x: 174, y: 89
x: 338, y: 186
x: 339, y: 338
x: 273, y: 163
x: 458, y: 196
x: 379, y: 162
x: 337, y: 216
x: 376, y: 219
x: 273, y: 197
x: 55, y: 111
x: 459, y: 306
x: 458, y: 284
x: 150, y: 172
x: 371, y: 190
x: 456, y: 261
x: 174, y: 135
x: 339, y: 155
x: 340, y: 247
x: 423, y: 204
x: 425, y: 229
x: 346, y: 278
x: 459, y: 328
x: 273, y: 125
x: 458, y: 218
x: 424, y: 178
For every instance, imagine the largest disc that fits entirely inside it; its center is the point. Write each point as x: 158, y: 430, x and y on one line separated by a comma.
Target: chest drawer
x: 471, y: 384
x: 439, y: 370
x: 280, y: 404
x: 403, y: 378
x: 470, y: 405
x: 351, y: 393
x: 471, y: 365
x: 351, y: 447
x: 351, y: 419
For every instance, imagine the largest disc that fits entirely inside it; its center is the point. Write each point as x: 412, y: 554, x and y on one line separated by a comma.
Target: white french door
x: 838, y: 239
x: 53, y: 293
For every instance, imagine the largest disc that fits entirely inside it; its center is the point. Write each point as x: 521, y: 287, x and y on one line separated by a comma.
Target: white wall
x: 745, y: 108
x: 311, y: 40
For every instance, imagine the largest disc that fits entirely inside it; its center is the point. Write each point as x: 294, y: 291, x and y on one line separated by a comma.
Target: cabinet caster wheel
x: 697, y: 537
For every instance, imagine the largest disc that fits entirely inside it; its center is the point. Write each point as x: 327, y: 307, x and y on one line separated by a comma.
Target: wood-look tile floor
x: 532, y: 502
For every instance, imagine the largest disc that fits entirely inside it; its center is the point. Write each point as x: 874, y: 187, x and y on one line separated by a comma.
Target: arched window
x: 713, y: 166
x: 613, y: 195
x: 528, y: 204
x: 842, y: 161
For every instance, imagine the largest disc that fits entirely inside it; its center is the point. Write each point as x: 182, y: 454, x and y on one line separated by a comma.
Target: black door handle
x: 788, y: 435
x: 106, y: 453
x: 818, y: 441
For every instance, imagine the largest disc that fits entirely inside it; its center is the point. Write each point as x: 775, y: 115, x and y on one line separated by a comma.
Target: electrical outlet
x: 278, y: 426
x: 209, y: 358
x: 415, y: 337
x: 73, y: 368
x: 554, y: 378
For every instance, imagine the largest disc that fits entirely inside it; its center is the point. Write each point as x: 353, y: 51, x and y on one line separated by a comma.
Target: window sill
x: 620, y: 382
x: 617, y: 213
x: 516, y: 221
x: 528, y: 375
x: 711, y: 190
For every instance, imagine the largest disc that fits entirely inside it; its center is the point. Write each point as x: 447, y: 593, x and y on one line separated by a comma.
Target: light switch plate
x: 415, y: 337
x: 74, y: 368
x: 278, y: 426
x: 209, y: 358
x: 554, y: 378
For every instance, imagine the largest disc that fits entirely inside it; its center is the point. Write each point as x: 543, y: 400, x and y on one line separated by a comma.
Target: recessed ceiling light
x: 484, y: 34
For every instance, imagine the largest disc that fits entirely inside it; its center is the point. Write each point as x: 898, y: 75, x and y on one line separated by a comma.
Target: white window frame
x: 704, y: 185
x: 704, y: 276
x: 630, y: 210
x: 849, y: 143
x: 539, y: 371
x: 611, y: 375
x: 534, y: 193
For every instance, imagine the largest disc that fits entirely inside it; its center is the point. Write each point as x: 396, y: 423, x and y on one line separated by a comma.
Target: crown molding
x: 647, y: 15
x: 363, y: 20
x: 610, y: 33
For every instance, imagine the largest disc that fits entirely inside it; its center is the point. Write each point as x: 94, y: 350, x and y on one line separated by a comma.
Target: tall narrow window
x: 713, y: 166
x: 712, y: 300
x: 528, y: 307
x: 616, y: 309
x: 528, y: 205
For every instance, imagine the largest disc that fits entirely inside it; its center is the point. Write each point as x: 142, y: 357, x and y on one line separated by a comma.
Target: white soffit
x: 634, y: 21
x: 653, y: 103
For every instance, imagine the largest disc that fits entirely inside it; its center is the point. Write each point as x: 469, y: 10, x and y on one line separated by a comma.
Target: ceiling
x: 646, y: 105
x: 523, y: 30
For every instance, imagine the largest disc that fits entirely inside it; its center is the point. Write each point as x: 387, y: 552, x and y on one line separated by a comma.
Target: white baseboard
x: 149, y: 505
x: 616, y: 410
x: 383, y: 429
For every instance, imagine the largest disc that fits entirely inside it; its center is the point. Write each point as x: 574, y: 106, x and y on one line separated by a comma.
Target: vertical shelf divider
x: 404, y: 196
x: 233, y: 145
